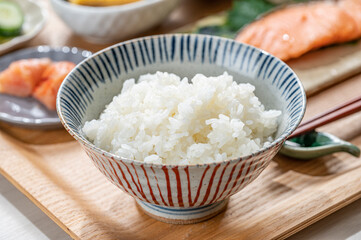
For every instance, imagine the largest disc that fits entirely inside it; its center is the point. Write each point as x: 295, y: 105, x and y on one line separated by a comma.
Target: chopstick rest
x: 306, y: 143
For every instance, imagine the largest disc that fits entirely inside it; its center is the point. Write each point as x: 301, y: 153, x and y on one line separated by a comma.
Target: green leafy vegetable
x: 241, y: 13
x: 244, y: 12
x: 222, y: 31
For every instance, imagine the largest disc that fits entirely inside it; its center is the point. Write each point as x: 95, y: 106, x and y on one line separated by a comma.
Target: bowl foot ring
x: 175, y: 215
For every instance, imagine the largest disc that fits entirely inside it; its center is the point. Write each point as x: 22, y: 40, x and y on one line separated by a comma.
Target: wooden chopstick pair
x: 331, y: 115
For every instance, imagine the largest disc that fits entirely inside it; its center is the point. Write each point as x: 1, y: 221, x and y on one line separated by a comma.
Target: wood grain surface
x: 52, y: 170
x: 288, y: 196
x: 328, y: 66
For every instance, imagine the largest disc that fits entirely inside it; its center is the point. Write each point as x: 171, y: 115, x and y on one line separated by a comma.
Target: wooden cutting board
x: 328, y: 66
x: 289, y: 195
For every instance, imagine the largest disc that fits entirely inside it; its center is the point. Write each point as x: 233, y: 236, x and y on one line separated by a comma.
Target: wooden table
x: 28, y: 222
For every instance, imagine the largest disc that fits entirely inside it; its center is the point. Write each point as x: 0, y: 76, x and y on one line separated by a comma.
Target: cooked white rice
x: 165, y: 119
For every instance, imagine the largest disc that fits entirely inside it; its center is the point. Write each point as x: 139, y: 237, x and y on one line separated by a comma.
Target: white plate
x: 34, y: 21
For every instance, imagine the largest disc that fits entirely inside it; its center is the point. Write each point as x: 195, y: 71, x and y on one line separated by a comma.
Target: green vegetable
x: 217, y: 30
x: 244, y: 12
x: 11, y: 19
x: 241, y: 13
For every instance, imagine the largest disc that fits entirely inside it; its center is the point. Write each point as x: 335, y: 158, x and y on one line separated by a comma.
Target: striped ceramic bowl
x: 178, y: 193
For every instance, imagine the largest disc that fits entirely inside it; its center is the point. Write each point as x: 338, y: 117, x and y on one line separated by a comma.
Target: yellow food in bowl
x: 101, y: 3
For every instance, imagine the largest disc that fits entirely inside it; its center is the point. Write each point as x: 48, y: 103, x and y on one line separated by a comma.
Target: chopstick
x: 331, y: 115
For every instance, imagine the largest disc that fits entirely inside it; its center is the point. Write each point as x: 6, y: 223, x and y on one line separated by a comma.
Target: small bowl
x: 179, y: 193
x: 113, y: 23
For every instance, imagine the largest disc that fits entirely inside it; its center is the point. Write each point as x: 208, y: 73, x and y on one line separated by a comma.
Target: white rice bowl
x: 167, y: 120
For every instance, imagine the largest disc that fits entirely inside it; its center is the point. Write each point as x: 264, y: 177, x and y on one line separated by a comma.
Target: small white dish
x: 34, y: 20
x: 112, y: 23
x: 28, y: 112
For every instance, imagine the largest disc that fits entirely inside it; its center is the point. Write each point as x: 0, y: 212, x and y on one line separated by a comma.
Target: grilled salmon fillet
x: 292, y: 31
x: 51, y: 80
x: 21, y: 77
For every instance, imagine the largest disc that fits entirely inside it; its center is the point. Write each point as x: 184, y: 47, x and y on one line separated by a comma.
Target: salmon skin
x: 21, y: 77
x: 39, y: 78
x: 292, y: 31
x: 52, y: 78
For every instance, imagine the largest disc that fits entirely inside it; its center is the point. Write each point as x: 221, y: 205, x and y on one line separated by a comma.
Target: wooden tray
x: 288, y: 196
